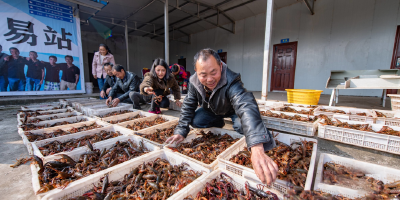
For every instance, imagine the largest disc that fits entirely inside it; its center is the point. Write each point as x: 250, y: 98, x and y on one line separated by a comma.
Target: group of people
x: 13, y: 77
x: 118, y: 85
x: 214, y: 92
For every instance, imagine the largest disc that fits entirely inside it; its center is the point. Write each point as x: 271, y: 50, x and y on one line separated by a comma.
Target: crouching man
x: 220, y: 93
x: 126, y: 88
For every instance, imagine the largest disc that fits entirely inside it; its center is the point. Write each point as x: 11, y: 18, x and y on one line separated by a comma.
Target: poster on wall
x: 40, y: 48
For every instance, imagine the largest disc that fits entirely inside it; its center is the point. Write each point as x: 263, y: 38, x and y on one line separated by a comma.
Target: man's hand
x: 27, y: 58
x: 176, y: 138
x: 108, y: 101
x: 7, y: 58
x: 115, y: 102
x: 94, y: 76
x: 108, y: 91
x: 102, y: 94
x: 149, y: 90
x: 178, y: 103
x: 41, y: 82
x: 184, y: 88
x: 265, y: 168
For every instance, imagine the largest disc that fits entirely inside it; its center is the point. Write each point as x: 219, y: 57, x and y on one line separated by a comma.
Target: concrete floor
x: 17, y: 184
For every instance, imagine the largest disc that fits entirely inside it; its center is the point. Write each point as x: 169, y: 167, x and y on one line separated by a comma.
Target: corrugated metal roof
x: 151, y: 17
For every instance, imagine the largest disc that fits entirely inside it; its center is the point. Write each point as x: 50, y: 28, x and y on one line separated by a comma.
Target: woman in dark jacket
x: 157, y: 82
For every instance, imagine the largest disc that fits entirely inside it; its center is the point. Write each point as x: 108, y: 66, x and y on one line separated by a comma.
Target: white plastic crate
x: 102, y: 108
x: 291, y: 126
x: 48, y: 130
x: 44, y: 106
x: 300, y: 105
x: 76, y: 154
x: 117, y: 109
x: 37, y: 144
x: 150, y: 118
x: 70, y: 100
x: 395, y: 101
x: 238, y: 181
x: 153, y: 129
x: 351, y: 113
x: 270, y: 105
x: 126, y: 115
x: 392, y: 117
x: 297, y: 109
x: 377, y: 141
x: 194, y: 135
x: 49, y: 123
x: 118, y: 172
x: 44, y: 117
x: 248, y: 173
x: 79, y: 105
x: 385, y: 174
x: 47, y: 112
x: 173, y: 106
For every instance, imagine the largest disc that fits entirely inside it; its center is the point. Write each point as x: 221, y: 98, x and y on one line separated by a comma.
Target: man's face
x: 52, y: 61
x: 68, y: 60
x: 120, y: 74
x: 33, y: 56
x: 108, y: 70
x: 208, y: 72
x: 14, y: 53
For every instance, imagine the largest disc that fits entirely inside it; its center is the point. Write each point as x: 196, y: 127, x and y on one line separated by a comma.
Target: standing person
x: 181, y: 76
x: 52, y: 79
x: 15, y: 67
x: 126, y: 89
x: 70, y: 74
x: 102, y: 56
x: 35, y: 72
x: 110, y: 81
x: 220, y: 93
x: 158, y: 82
x: 3, y: 71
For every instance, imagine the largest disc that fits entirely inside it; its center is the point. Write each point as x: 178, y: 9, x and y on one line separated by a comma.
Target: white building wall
x: 342, y: 35
x: 142, y: 51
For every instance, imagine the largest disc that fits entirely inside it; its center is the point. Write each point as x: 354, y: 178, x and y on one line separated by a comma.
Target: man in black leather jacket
x: 220, y: 93
x: 128, y: 83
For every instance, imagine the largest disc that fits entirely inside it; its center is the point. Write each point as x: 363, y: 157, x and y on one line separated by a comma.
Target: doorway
x: 224, y: 57
x: 283, y: 66
x: 182, y: 62
x: 395, y: 64
x: 91, y: 79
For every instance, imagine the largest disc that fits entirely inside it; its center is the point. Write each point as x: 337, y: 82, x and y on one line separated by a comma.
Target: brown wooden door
x: 224, y: 57
x: 283, y: 66
x: 396, y: 56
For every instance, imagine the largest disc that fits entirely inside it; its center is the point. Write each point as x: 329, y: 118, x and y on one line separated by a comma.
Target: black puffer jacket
x: 228, y: 97
x: 130, y: 85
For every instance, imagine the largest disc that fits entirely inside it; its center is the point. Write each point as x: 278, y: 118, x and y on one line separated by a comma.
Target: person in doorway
x: 3, y: 71
x: 15, y: 70
x: 220, y: 93
x: 70, y: 74
x: 102, y: 56
x: 158, y: 82
x: 35, y: 72
x: 126, y: 89
x: 52, y: 79
x: 181, y: 76
x: 110, y: 81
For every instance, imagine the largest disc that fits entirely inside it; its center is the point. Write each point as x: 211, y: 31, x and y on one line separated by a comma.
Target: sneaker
x: 158, y: 111
x: 154, y: 112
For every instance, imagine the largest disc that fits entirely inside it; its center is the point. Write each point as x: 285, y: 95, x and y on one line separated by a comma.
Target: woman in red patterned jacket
x: 181, y: 76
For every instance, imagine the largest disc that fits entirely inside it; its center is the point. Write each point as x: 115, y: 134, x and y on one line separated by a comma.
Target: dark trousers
x: 163, y: 104
x: 3, y: 84
x: 206, y: 119
x: 135, y: 98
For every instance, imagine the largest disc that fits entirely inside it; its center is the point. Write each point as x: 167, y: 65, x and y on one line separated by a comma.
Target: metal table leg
x: 332, y: 97
x: 337, y: 96
x: 384, y: 97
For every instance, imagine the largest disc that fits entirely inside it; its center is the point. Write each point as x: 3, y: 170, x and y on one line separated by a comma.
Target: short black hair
x: 68, y: 56
x: 33, y: 52
x: 14, y: 48
x: 118, y: 68
x: 105, y: 46
x: 204, y: 54
x: 159, y: 61
x: 108, y: 64
x: 175, y: 68
x: 53, y: 57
